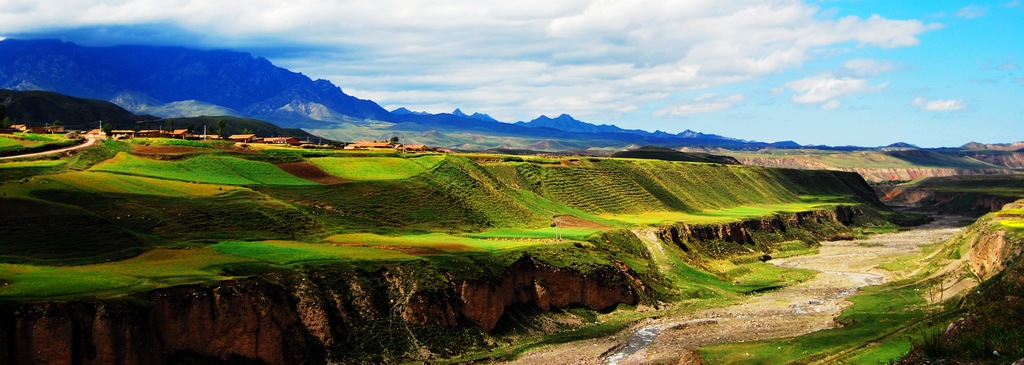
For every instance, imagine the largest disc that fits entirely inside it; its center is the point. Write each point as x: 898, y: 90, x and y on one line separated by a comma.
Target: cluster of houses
x: 241, y: 138
x: 37, y: 129
x: 367, y: 146
x: 185, y: 134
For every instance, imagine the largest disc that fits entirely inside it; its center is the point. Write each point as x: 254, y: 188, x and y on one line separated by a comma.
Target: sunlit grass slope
x: 203, y: 169
x: 107, y: 204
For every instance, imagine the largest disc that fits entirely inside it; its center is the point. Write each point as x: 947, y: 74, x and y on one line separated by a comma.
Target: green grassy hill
x: 108, y: 205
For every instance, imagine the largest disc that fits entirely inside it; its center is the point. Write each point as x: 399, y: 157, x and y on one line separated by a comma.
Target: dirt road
x: 845, y: 267
x: 88, y: 142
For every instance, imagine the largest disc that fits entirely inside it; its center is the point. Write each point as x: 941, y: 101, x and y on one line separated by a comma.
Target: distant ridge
x: 44, y: 107
x: 233, y: 80
x: 668, y: 154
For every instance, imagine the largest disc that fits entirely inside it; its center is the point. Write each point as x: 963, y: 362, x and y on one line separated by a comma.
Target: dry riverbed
x: 844, y: 266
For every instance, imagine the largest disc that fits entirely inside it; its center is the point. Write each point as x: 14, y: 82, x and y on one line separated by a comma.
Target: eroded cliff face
x: 231, y: 320
x: 992, y: 246
x: 873, y: 174
x: 546, y: 287
x: 743, y: 232
x: 306, y: 317
x: 1013, y: 160
x: 953, y: 202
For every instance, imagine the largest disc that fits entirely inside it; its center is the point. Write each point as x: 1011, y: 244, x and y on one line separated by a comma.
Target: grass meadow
x: 172, y: 219
x: 223, y: 170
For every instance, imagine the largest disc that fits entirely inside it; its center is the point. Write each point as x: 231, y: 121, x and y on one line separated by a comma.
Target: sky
x: 835, y: 72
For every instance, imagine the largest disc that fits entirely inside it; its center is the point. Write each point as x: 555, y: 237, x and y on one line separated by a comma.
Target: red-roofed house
x: 283, y: 140
x: 244, y: 138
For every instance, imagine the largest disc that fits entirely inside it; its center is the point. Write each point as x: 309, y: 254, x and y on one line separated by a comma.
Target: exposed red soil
x: 311, y: 172
x: 568, y: 221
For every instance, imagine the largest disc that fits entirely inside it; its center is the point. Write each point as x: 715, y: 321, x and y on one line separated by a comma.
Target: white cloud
x: 939, y: 105
x: 703, y: 104
x: 972, y: 11
x: 1014, y: 4
x: 869, y: 67
x: 512, y: 59
x: 831, y: 105
x: 826, y: 88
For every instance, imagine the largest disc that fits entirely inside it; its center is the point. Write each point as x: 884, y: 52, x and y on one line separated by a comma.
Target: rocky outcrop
x: 992, y: 248
x: 741, y: 232
x: 989, y: 253
x: 231, y: 320
x: 944, y: 201
x: 291, y: 320
x: 544, y: 286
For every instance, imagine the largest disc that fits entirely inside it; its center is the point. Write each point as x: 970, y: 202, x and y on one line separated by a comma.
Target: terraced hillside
x: 429, y: 247
x: 878, y: 166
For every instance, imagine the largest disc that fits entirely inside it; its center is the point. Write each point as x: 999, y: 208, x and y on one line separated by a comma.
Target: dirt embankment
x: 306, y: 317
x: 943, y: 201
x: 311, y: 172
x: 740, y: 232
x: 1013, y: 160
x: 873, y: 174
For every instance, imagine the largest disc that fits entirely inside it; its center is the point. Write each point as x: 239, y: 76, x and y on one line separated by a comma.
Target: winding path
x: 88, y: 142
x: 844, y: 266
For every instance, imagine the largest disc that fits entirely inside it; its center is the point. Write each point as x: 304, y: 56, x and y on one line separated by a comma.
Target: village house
x: 38, y: 129
x: 95, y: 133
x: 371, y: 146
x: 283, y: 140
x: 415, y: 148
x: 244, y: 138
x: 178, y: 134
x: 122, y: 134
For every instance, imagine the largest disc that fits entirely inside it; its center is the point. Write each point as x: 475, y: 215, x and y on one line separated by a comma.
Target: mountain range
x: 175, y: 82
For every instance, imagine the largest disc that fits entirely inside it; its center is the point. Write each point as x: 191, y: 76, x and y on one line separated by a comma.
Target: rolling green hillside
x: 109, y: 204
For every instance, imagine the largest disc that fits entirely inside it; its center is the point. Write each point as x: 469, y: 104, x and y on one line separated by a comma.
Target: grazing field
x: 377, y: 168
x: 714, y: 216
x: 150, y: 270
x: 10, y: 144
x: 239, y: 207
x: 102, y: 182
x: 435, y: 242
x: 202, y: 169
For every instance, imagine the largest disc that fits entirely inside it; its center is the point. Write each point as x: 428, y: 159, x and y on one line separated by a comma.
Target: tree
x: 247, y: 131
x: 220, y: 127
x: 4, y: 120
x: 170, y: 124
x: 107, y: 128
x: 57, y: 123
x: 394, y: 139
